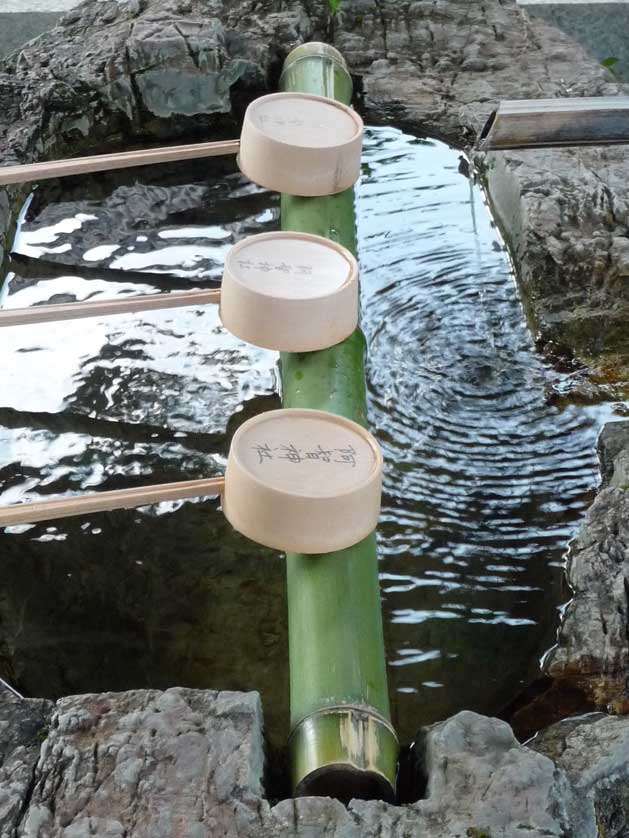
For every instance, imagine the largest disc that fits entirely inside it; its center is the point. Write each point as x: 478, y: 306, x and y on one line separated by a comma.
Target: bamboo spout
x: 342, y: 743
x: 555, y: 123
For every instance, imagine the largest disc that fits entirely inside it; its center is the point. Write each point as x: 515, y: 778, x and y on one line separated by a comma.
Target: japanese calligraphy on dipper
x: 288, y: 291
x: 299, y: 455
x: 303, y: 480
x: 264, y: 266
x: 265, y: 120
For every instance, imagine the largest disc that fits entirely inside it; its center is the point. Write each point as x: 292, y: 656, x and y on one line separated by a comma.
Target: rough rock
x: 23, y: 726
x: 600, y: 27
x: 135, y: 70
x: 481, y: 781
x: 593, y: 644
x: 593, y: 750
x: 145, y: 764
x: 613, y: 452
x: 564, y: 214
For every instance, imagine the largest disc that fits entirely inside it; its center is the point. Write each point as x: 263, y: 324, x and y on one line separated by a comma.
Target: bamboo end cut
x: 345, y: 752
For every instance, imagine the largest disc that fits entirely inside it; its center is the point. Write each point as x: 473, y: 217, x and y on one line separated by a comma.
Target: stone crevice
x: 28, y: 794
x: 383, y: 24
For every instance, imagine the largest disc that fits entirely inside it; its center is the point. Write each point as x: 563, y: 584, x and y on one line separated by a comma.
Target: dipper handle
x: 67, y: 507
x: 98, y: 308
x: 119, y: 160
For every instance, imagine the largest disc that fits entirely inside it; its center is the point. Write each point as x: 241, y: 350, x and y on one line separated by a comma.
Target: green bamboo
x: 342, y: 742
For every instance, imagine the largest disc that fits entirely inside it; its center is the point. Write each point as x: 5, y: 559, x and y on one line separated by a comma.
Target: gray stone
x: 613, y: 452
x: 600, y: 26
x: 481, y: 778
x: 146, y: 61
x: 484, y: 784
x: 594, y: 752
x: 23, y: 728
x: 146, y: 764
x: 583, y: 208
x: 620, y: 255
x: 18, y: 28
x: 189, y: 763
x: 592, y: 652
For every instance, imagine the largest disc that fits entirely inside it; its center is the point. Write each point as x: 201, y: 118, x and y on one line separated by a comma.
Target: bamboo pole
x: 109, y: 162
x: 556, y: 123
x: 101, y: 308
x: 86, y: 504
x: 342, y: 743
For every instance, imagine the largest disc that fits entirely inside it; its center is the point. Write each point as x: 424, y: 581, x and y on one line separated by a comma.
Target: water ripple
x: 485, y: 480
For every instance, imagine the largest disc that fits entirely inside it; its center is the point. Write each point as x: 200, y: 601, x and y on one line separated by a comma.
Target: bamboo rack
x: 113, y: 162
x: 342, y: 743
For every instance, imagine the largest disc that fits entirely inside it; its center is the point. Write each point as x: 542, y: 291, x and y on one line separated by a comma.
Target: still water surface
x: 485, y: 479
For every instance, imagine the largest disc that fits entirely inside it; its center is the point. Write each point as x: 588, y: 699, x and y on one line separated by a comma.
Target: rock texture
x: 481, y: 781
x: 593, y: 644
x: 145, y: 69
x: 189, y: 764
x: 613, y: 452
x: 144, y: 763
x: 23, y: 727
x: 564, y: 214
x: 593, y: 751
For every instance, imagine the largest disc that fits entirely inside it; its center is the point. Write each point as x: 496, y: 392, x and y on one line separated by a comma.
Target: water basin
x: 486, y: 478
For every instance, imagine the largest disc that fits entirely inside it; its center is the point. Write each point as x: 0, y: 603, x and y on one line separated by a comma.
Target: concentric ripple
x: 485, y: 480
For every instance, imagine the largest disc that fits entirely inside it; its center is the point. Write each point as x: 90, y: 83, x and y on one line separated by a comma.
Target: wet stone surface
x: 593, y: 750
x: 593, y: 642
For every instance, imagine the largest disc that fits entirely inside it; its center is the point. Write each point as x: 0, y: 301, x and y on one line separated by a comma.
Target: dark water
x: 485, y: 479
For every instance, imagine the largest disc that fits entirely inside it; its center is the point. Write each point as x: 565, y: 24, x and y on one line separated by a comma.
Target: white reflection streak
x: 411, y: 615
x: 29, y: 243
x: 215, y: 233
x: 413, y: 656
x: 180, y: 256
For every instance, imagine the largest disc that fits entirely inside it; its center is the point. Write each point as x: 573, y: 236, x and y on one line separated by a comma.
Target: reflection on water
x: 168, y: 594
x: 485, y: 481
